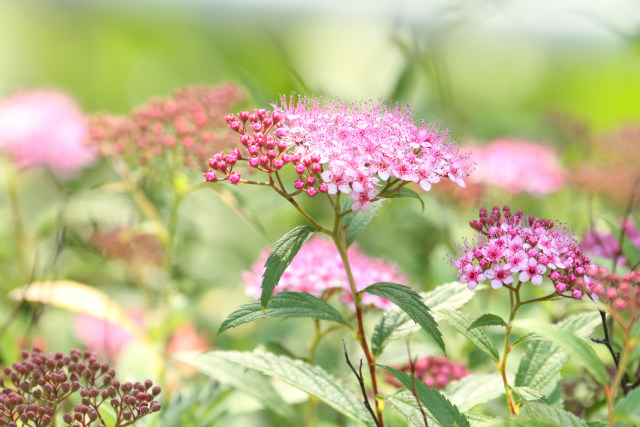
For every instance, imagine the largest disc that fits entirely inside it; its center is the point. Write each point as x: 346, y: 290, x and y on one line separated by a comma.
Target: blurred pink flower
x: 606, y: 245
x: 44, y: 128
x: 103, y: 337
x: 317, y: 268
x: 436, y: 372
x: 518, y: 167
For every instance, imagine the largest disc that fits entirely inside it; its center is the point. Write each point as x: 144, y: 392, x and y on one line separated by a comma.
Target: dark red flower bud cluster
x: 183, y: 128
x: 436, y: 372
x: 620, y: 292
x: 33, y: 390
x: 261, y: 134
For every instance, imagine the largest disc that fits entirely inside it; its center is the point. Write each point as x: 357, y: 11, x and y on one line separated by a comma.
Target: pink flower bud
x: 234, y: 178
x: 323, y: 188
x: 278, y: 163
x: 311, y: 181
x: 234, y: 125
x: 277, y: 117
x: 210, y: 176
x: 561, y: 287
x: 299, y: 184
x: 577, y: 293
x: 254, y: 162
x: 311, y: 192
x: 280, y: 132
x: 257, y: 127
x: 230, y: 118
x: 243, y: 115
x: 300, y: 169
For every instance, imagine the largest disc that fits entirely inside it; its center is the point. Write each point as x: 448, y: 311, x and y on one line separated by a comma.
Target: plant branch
x: 358, y: 375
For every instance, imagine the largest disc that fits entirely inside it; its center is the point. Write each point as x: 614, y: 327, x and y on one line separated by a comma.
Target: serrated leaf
x: 479, y: 420
x: 280, y: 257
x: 487, y: 319
x: 405, y: 402
x: 356, y: 221
x: 286, y: 305
x: 461, y: 322
x: 541, y: 364
x: 473, y: 390
x: 556, y: 415
x: 628, y: 408
x: 411, y: 303
x: 406, y: 192
x: 313, y: 380
x: 442, y: 410
x: 395, y: 323
x: 528, y: 394
x: 250, y: 382
x: 576, y: 347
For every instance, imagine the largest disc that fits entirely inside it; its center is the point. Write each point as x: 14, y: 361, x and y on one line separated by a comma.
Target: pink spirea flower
x: 607, y: 245
x: 511, y: 246
x: 359, y: 149
x: 436, y: 372
x: 101, y: 336
x: 518, y: 167
x: 185, y: 126
x: 44, y: 128
x: 318, y: 268
x: 619, y: 292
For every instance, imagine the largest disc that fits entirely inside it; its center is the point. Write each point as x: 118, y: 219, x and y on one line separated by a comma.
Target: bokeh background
x: 564, y: 75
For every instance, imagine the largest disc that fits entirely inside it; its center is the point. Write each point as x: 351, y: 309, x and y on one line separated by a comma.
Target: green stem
x: 502, y: 365
x: 312, y: 402
x: 339, y: 238
x: 621, y: 369
x: 18, y: 229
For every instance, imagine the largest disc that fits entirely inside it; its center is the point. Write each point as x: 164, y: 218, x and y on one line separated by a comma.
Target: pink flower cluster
x: 518, y: 167
x: 362, y: 149
x: 511, y: 246
x: 318, y: 270
x: 188, y: 124
x: 436, y: 372
x: 44, y: 128
x: 607, y: 245
x: 621, y: 293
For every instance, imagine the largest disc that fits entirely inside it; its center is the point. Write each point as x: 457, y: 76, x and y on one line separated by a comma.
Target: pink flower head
x: 44, y: 128
x: 436, y: 372
x: 318, y: 270
x: 360, y: 149
x: 102, y: 336
x: 619, y: 292
x: 511, y: 246
x: 518, y: 167
x: 606, y: 245
x: 185, y: 126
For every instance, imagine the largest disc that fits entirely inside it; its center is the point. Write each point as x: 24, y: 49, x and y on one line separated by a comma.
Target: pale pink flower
x: 102, y: 336
x: 318, y: 268
x: 518, y: 167
x: 44, y: 128
x: 510, y: 245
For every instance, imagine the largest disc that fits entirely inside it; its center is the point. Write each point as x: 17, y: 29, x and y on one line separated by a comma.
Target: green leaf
x: 443, y: 411
x: 555, y: 414
x: 461, y: 322
x: 628, y: 408
x: 395, y: 323
x: 475, y: 389
x: 313, y: 380
x: 280, y: 257
x: 356, y: 221
x: 405, y: 192
x: 487, y: 319
x: 541, y: 364
x: 412, y: 304
x: 405, y: 402
x: 286, y: 305
x: 576, y: 347
x: 528, y: 394
x: 227, y: 372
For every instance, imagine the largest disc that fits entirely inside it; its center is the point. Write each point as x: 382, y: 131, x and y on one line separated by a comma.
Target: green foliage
x: 411, y: 303
x: 488, y: 319
x: 475, y: 389
x: 628, y: 408
x: 554, y: 414
x: 441, y: 409
x: 311, y: 379
x: 461, y: 323
x: 356, y: 221
x: 280, y: 257
x: 286, y: 305
x: 395, y: 323
x: 576, y: 347
x: 406, y: 192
